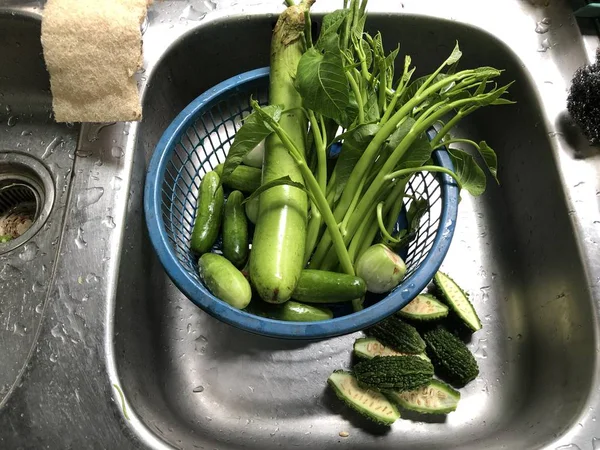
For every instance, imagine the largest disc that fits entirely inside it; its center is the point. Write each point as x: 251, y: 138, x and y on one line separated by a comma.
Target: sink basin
x: 38, y: 154
x: 193, y: 382
x: 99, y: 349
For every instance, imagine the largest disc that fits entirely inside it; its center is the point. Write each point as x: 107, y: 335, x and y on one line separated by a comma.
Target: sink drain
x: 26, y: 199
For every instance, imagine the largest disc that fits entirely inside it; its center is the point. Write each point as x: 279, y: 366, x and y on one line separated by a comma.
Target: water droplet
x: 53, y: 358
x: 116, y: 183
x: 8, y: 109
x: 29, y: 251
x: 109, y: 222
x: 189, y: 328
x: 26, y: 133
x: 198, y: 389
x: 481, y: 352
x: 38, y: 287
x: 568, y: 447
x: 89, y: 196
x: 69, y: 124
x: 544, y: 46
x: 91, y: 278
x: 12, y: 121
x: 19, y: 329
x: 116, y: 152
x: 79, y: 240
x: 39, y: 308
x: 83, y: 153
x: 542, y: 26
x: 94, y: 130
x: 595, y: 441
x: 58, y: 332
x: 51, y: 147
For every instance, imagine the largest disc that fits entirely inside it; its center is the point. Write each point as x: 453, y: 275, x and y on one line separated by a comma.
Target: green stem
x: 404, y: 172
x: 352, y: 207
x: 321, y: 152
x: 382, y: 86
x: 356, y: 89
x: 307, y: 30
x: 382, y: 228
x: 394, y: 203
x: 290, y: 3
x: 312, y: 232
x: 456, y: 141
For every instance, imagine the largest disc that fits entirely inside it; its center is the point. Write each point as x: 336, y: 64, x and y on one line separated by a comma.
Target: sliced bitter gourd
x: 370, y: 347
x: 434, y: 398
x: 458, y: 300
x: 371, y: 404
x: 424, y: 307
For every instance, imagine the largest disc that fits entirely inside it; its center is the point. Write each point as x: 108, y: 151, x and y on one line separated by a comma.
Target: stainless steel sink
x: 527, y: 251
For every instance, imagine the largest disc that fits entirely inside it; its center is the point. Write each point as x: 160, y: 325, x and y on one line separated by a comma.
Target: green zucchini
x: 457, y: 300
x: 402, y: 373
x: 235, y: 230
x: 224, y: 281
x: 320, y: 286
x: 290, y: 311
x: 208, y: 215
x: 434, y: 398
x: 371, y: 404
x: 368, y: 348
x: 277, y: 256
x: 243, y: 178
x: 424, y: 307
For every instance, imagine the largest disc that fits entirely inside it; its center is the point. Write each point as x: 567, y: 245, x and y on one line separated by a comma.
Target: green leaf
x: 413, y: 87
x: 454, y: 56
x: 332, y: 23
x: 355, y: 143
x: 503, y: 101
x: 399, y: 134
x: 415, y: 212
x: 283, y: 181
x: 417, y: 154
x: 489, y: 156
x: 371, y: 108
x: 391, y: 59
x: 471, y: 176
x: 252, y: 132
x: 321, y: 81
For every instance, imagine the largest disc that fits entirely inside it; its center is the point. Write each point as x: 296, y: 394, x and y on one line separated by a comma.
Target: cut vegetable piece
x: 424, y: 307
x: 458, y: 300
x: 450, y: 356
x: 371, y: 404
x: 368, y: 348
x: 399, y: 335
x: 434, y: 398
x: 402, y: 373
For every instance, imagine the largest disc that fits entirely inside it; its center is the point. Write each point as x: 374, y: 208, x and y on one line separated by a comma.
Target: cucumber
x: 208, y: 215
x: 252, y: 206
x: 457, y: 300
x: 368, y: 348
x: 224, y: 281
x: 235, y: 230
x: 434, y: 398
x: 243, y: 178
x: 254, y: 158
x: 277, y: 256
x: 424, y: 307
x: 371, y: 404
x: 320, y: 286
x: 290, y: 311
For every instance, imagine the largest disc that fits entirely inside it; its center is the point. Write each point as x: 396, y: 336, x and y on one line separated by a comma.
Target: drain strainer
x: 26, y: 199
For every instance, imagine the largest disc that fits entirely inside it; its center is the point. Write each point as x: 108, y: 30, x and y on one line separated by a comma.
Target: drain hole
x: 19, y: 209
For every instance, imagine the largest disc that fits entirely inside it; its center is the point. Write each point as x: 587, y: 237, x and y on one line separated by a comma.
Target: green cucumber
x: 224, y: 280
x: 277, y: 256
x: 434, y: 398
x: 371, y: 404
x: 368, y: 348
x: 424, y: 307
x: 208, y: 215
x: 235, y: 230
x: 457, y: 300
x: 252, y: 207
x: 243, y: 178
x: 320, y: 286
x: 290, y: 311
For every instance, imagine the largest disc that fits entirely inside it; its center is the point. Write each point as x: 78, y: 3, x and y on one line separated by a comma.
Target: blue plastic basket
x: 197, y: 140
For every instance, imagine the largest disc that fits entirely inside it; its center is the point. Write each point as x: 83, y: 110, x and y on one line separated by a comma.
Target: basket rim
x: 196, y: 292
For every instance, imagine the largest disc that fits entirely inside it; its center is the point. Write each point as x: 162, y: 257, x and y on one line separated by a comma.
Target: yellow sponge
x: 92, y: 49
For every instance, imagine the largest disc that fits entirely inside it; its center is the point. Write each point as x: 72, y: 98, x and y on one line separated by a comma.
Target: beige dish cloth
x: 92, y: 50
